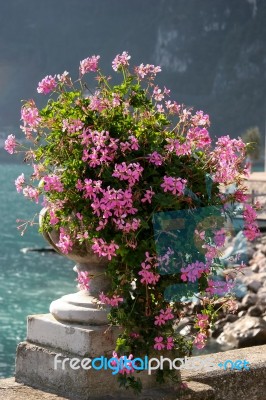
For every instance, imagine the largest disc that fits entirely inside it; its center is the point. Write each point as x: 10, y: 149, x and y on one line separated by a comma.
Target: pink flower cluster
x: 199, y: 138
x: 47, y: 85
x: 194, y: 271
x: 174, y: 185
x: 251, y: 229
x: 226, y: 159
x: 112, y: 301
x: 53, y: 218
x: 114, y: 203
x: 219, y: 237
x: 200, y: 341
x: 175, y: 146
x: 127, y: 226
x: 160, y: 345
x: 147, y: 70
x: 103, y: 249
x: 120, y: 361
x: 219, y: 287
x: 30, y: 117
x: 121, y: 60
x: 72, y: 126
x: 148, y: 276
x: 128, y: 172
x: 65, y: 243
x: 89, y: 64
x: 202, y: 321
x: 53, y: 183
x: 200, y: 119
x: 19, y: 182
x: 31, y: 193
x: 10, y: 144
x: 133, y: 144
x: 155, y: 158
x: 157, y: 94
x: 99, y: 147
x: 163, y: 317
x: 83, y: 280
x: 97, y: 103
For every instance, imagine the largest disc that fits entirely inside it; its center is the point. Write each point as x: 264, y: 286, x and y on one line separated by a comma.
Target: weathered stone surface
x: 247, y: 331
x: 35, y: 366
x: 80, y: 307
x: 255, y: 311
x: 254, y: 285
x: 231, y: 385
x: 255, y: 268
x: 241, y: 313
x: 78, y: 339
x: 11, y: 390
x: 249, y: 300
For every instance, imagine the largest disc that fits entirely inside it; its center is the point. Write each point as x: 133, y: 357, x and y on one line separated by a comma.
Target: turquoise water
x: 28, y: 282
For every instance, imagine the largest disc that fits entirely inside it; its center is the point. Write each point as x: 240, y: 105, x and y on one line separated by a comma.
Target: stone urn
x: 83, y: 306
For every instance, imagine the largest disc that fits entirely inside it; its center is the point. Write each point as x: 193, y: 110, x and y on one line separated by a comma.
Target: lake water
x: 28, y: 282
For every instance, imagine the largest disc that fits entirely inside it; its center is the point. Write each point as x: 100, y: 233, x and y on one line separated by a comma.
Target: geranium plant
x: 113, y: 164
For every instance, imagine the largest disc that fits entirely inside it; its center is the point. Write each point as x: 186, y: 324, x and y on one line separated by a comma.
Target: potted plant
x: 130, y: 177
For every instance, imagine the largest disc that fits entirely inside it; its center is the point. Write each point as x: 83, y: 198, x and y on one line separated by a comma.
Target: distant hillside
x: 212, y: 52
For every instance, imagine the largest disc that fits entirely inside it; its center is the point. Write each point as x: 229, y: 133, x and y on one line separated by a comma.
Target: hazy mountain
x: 212, y: 52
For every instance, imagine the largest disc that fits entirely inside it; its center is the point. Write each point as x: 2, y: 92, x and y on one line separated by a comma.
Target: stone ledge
x: 11, y: 390
x: 230, y: 385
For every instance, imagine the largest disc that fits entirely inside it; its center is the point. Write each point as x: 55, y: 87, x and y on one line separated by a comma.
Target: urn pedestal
x: 76, y: 329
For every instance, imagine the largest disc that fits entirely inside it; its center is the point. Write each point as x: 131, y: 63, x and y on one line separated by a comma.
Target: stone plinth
x: 42, y: 359
x: 78, y: 339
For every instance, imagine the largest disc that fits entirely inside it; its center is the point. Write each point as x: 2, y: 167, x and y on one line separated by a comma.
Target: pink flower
x: 126, y: 366
x: 155, y: 158
x: 47, y: 85
x: 19, y: 183
x: 104, y: 249
x: 89, y: 64
x: 31, y: 193
x: 200, y: 119
x: 226, y: 158
x: 72, y: 126
x: 170, y: 343
x: 147, y: 196
x: 159, y: 320
x: 163, y: 317
x: 149, y: 277
x: 121, y: 60
x: 53, y: 183
x: 131, y: 172
x: 157, y: 94
x: 193, y: 271
x: 202, y: 321
x: 159, y: 343
x: 53, y: 218
x: 219, y: 287
x: 149, y: 70
x: 174, y: 185
x: 219, y: 237
x: 10, y: 144
x: 180, y: 149
x: 65, y: 243
x: 199, y: 137
x: 83, y: 280
x: 112, y: 301
x: 200, y: 340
